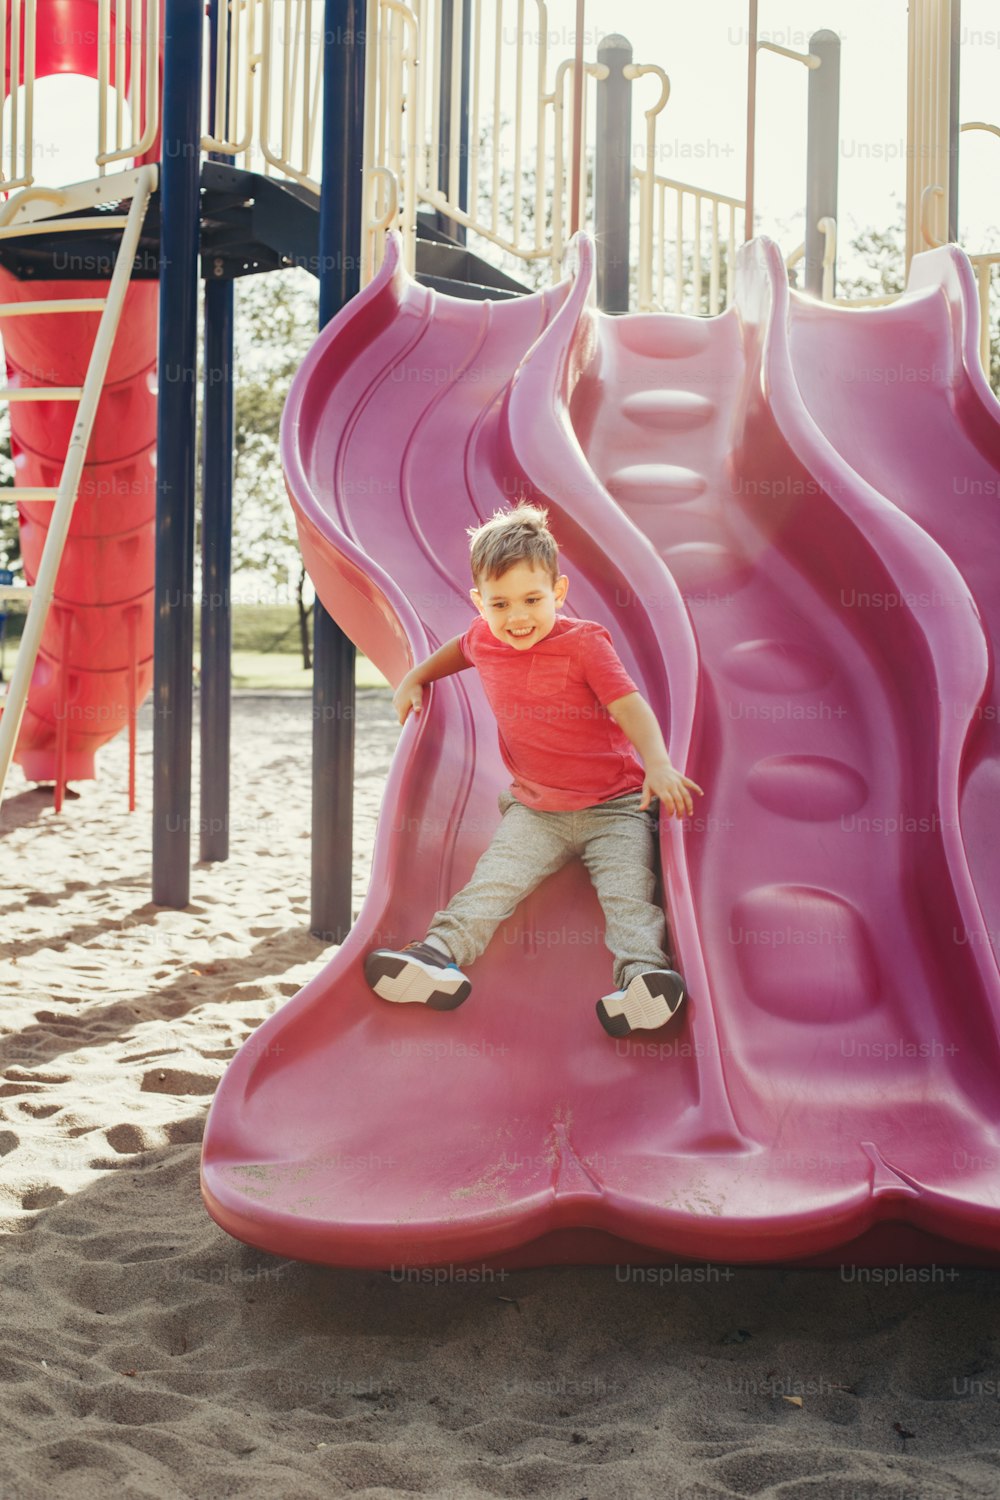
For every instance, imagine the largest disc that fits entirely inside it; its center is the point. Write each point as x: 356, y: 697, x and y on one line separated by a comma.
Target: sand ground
x: 147, y: 1354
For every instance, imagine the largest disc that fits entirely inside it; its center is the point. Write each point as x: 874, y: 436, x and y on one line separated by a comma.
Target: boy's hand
x: 673, y: 790
x: 408, y: 695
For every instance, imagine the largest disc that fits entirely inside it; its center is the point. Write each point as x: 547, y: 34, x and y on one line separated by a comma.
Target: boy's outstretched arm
x: 442, y: 663
x: 636, y: 719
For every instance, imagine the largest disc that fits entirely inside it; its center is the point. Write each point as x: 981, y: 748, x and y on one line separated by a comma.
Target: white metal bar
x: 809, y: 58
x: 306, y: 83
x: 119, y: 74
x: 41, y: 393
x: 661, y: 269
x: 29, y: 92
x: 103, y: 49
x: 67, y: 304
x: 34, y: 203
x: 370, y: 249
x: 3, y: 53
x: 15, y: 83
x: 731, y: 258
x: 497, y: 74
x: 544, y: 100
x: 679, y: 253
x: 435, y: 95
x: 455, y: 153
x: 55, y: 540
x: 713, y: 280
x: 475, y: 51
x: 135, y: 64
x: 696, y: 271
x: 62, y: 226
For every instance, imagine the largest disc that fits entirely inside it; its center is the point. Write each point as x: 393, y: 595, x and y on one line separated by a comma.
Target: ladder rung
x: 14, y: 495
x: 41, y: 393
x: 66, y: 304
x: 16, y: 591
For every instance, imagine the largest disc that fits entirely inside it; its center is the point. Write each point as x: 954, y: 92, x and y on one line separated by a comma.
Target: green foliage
x: 882, y: 257
x: 276, y: 322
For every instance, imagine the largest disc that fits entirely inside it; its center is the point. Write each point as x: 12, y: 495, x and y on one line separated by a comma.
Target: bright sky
x: 703, y: 48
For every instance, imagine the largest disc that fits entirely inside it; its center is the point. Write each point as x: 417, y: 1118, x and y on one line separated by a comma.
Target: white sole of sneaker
x: 642, y: 1009
x: 417, y: 983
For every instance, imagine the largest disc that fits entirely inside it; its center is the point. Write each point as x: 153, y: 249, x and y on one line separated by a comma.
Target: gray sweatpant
x: 616, y: 843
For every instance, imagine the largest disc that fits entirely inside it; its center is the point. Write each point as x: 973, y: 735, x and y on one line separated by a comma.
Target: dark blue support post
x: 340, y: 217
x: 444, y: 223
x: 821, y: 152
x: 613, y: 175
x: 217, y: 429
x: 175, y: 445
x: 954, y: 118
x: 216, y: 569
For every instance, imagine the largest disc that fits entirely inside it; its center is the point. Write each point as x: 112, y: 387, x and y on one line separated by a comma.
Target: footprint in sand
x: 42, y: 1197
x: 38, y: 1111
x: 178, y: 1081
x: 29, y: 1075
x: 128, y: 1139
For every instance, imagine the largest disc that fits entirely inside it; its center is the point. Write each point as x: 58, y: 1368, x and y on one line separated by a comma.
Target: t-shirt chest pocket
x: 547, y: 675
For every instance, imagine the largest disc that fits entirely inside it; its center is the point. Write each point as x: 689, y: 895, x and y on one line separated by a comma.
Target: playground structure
x: 251, y: 144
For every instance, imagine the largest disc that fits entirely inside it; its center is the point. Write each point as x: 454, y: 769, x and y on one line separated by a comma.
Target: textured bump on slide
x: 831, y: 1089
x: 667, y: 410
x: 655, y: 484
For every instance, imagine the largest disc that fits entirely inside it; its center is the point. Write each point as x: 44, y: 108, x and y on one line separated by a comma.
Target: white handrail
x: 62, y: 513
x: 828, y: 228
x: 933, y: 190
x: 809, y: 58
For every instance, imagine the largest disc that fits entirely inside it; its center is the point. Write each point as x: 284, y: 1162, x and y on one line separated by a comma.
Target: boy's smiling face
x: 520, y: 605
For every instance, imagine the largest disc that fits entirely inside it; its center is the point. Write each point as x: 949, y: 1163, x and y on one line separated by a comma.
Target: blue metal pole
x: 175, y: 445
x: 339, y: 268
x: 447, y: 225
x: 954, y: 126
x: 216, y: 542
x: 216, y: 570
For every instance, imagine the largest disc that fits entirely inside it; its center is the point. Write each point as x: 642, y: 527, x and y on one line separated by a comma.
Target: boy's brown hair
x: 520, y: 534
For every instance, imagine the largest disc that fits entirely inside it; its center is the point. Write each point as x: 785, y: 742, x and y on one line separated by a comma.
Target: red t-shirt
x: 557, y: 738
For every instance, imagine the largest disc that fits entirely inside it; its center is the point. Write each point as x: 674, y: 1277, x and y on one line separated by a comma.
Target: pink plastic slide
x: 787, y: 517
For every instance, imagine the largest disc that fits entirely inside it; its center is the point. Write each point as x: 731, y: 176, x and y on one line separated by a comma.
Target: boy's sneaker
x: 651, y: 1000
x: 418, y: 972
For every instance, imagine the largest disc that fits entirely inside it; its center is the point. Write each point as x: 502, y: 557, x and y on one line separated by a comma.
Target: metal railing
x: 688, y: 245
x: 502, y: 175
x: 128, y: 109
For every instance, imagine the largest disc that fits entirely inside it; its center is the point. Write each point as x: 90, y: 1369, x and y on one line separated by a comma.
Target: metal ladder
x: 40, y: 594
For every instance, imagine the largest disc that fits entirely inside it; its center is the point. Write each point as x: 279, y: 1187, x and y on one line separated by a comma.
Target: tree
x: 276, y: 323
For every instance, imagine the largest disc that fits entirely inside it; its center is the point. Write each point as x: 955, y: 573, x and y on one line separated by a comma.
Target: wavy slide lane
x: 900, y: 393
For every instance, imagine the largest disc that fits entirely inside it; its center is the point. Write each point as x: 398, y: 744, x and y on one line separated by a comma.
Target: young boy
x: 571, y: 722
